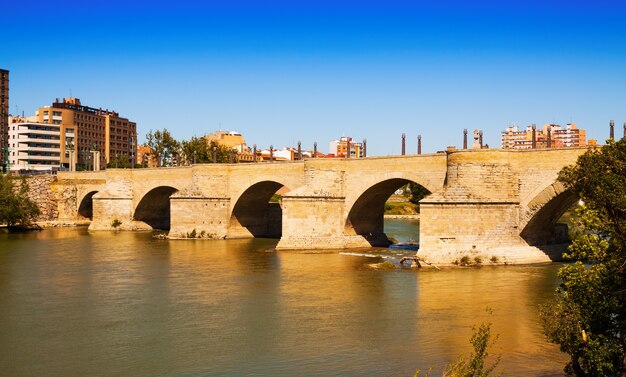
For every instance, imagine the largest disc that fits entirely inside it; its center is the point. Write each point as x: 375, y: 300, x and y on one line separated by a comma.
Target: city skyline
x: 279, y: 72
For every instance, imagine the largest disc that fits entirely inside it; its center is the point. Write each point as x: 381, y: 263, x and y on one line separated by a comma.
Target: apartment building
x: 92, y: 129
x: 559, y: 136
x: 34, y: 146
x: 339, y: 148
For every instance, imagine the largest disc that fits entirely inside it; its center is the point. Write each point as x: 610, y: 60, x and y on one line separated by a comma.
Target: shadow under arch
x: 367, y: 215
x: 542, y: 230
x: 254, y: 216
x: 85, y: 209
x: 154, y: 207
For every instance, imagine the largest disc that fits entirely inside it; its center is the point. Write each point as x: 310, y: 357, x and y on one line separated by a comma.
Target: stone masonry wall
x: 40, y: 192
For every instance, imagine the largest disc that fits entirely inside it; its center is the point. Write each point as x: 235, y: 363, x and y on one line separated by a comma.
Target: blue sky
x: 281, y: 71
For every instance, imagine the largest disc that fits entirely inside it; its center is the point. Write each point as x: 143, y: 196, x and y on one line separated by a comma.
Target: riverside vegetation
x: 17, y: 211
x: 587, y: 315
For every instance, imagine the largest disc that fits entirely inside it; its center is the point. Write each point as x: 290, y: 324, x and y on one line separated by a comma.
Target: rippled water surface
x: 74, y: 303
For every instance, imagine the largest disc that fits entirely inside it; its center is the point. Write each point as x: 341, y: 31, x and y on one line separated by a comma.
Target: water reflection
x: 79, y: 303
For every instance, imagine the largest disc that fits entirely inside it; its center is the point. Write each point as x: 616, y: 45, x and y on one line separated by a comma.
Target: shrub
x: 16, y: 209
x: 116, y: 223
x: 465, y: 260
x: 387, y: 265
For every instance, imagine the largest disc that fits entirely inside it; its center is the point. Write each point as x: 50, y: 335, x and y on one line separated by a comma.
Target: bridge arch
x: 366, y: 214
x: 154, y: 207
x: 253, y: 215
x: 85, y: 206
x: 543, y: 212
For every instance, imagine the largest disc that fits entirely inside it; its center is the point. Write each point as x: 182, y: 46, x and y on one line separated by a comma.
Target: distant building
x: 230, y: 139
x: 34, y: 146
x: 146, y: 157
x: 339, y: 148
x: 4, y: 118
x: 568, y: 136
x: 93, y: 129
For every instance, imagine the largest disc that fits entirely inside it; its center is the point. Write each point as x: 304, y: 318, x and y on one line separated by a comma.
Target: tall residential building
x: 4, y: 119
x: 34, y: 146
x: 568, y: 136
x: 93, y: 129
x: 339, y: 148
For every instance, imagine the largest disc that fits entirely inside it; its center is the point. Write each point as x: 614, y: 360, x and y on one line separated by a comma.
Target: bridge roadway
x: 486, y: 203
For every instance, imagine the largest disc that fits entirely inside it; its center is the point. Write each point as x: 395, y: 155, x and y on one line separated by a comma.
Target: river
x: 75, y: 303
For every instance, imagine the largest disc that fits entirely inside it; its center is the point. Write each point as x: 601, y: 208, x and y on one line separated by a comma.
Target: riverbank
x: 403, y: 217
x: 62, y: 224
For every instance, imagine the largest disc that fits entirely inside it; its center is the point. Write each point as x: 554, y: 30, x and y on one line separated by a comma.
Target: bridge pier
x: 198, y: 216
x: 316, y: 222
x: 112, y: 212
x: 450, y: 230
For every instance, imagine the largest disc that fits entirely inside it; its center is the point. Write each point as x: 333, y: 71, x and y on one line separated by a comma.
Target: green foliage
x: 478, y: 260
x: 474, y: 366
x: 116, y: 223
x: 16, y: 209
x: 401, y: 208
x: 276, y: 198
x: 202, y: 150
x: 387, y: 265
x: 494, y: 259
x: 587, y: 315
x: 120, y: 161
x: 164, y: 146
x: 417, y: 193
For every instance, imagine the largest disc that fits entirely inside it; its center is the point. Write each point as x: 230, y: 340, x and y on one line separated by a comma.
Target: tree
x: 417, y: 193
x: 203, y: 151
x: 16, y: 209
x: 164, y: 146
x: 120, y: 161
x: 587, y: 315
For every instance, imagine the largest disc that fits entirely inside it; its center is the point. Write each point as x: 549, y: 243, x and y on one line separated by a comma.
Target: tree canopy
x: 164, y: 146
x: 587, y: 316
x: 169, y: 151
x: 16, y: 209
x: 199, y: 150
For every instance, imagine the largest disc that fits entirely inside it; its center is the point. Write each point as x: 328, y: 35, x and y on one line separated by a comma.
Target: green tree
x: 164, y: 146
x: 416, y: 193
x: 16, y: 209
x: 204, y: 151
x: 587, y: 315
x: 120, y: 161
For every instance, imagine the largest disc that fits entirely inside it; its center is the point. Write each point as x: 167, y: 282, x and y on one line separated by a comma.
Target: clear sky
x: 283, y: 71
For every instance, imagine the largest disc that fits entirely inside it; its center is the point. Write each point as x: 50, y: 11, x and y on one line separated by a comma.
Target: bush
x: 474, y: 366
x: 387, y: 265
x: 16, y: 209
x: 116, y: 223
x: 465, y: 260
x: 478, y: 260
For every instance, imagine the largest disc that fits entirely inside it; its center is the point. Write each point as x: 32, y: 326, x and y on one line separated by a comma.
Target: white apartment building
x: 35, y: 146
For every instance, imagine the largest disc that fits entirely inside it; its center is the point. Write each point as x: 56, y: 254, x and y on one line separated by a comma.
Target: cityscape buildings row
x: 548, y: 136
x: 67, y: 134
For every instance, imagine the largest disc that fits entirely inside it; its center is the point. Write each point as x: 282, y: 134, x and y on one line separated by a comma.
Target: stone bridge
x: 502, y: 203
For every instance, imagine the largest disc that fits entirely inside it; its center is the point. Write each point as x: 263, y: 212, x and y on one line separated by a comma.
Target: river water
x: 75, y: 303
